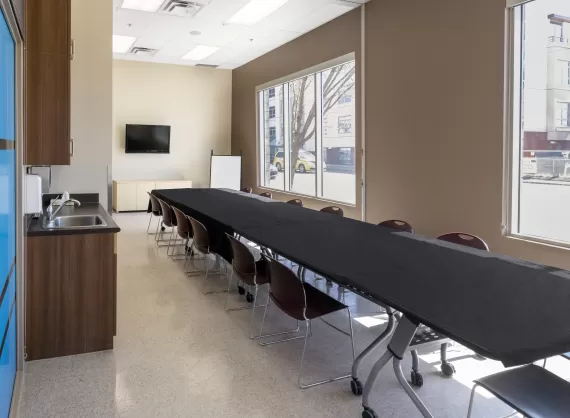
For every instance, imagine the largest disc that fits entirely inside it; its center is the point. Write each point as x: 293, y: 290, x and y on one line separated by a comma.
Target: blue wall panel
x: 7, y: 218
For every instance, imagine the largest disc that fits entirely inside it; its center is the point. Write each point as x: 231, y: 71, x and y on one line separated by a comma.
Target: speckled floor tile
x: 179, y: 354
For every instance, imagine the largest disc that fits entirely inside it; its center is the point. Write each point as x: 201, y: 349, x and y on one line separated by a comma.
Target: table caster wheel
x: 417, y: 379
x: 448, y: 369
x: 369, y: 413
x: 356, y: 386
x: 162, y: 229
x: 249, y: 297
x: 241, y: 290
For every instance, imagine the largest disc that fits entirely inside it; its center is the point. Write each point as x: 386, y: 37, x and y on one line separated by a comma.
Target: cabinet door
x: 126, y: 197
x: 47, y: 110
x: 142, y: 195
x: 48, y: 27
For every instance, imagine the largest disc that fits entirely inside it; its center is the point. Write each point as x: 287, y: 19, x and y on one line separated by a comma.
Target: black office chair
x: 251, y: 272
x: 201, y: 243
x: 266, y: 194
x: 184, y: 231
x: 397, y: 225
x: 247, y: 190
x: 531, y: 390
x: 335, y: 210
x: 425, y: 334
x: 168, y: 221
x: 302, y: 302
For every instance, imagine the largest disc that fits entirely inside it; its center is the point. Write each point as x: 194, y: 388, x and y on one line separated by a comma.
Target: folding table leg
x: 397, y: 348
x: 355, y: 383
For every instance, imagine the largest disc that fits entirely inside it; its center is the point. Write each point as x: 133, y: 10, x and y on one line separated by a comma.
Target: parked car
x: 306, y: 161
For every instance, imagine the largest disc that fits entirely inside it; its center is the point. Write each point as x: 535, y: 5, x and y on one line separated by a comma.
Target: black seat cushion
x: 319, y: 303
x: 531, y: 390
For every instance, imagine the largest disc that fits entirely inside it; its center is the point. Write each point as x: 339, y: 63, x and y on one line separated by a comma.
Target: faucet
x: 52, y: 213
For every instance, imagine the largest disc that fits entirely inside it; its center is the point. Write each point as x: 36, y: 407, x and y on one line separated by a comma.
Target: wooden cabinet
x: 131, y: 195
x: 47, y: 82
x: 70, y: 294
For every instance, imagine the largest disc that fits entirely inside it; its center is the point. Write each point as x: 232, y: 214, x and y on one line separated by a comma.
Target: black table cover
x: 504, y: 308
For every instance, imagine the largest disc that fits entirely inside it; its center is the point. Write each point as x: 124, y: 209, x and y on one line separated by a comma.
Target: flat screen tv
x: 147, y: 139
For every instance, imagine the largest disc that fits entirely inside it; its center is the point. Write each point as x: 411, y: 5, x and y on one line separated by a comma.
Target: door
x: 7, y: 217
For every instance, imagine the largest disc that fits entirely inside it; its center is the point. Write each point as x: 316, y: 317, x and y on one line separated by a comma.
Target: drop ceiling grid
x: 171, y: 34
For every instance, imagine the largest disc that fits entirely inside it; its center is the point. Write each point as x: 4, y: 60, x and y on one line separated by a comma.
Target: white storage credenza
x: 131, y: 195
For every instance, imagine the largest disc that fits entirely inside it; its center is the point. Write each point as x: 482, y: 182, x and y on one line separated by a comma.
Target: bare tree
x: 339, y: 81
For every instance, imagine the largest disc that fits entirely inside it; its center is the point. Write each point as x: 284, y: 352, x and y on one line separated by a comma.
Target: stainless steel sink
x: 75, y: 222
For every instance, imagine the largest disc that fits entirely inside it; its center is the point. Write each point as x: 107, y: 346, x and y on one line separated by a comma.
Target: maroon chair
x: 465, y: 239
x: 250, y: 272
x: 297, y: 202
x: 448, y: 369
x: 335, y: 210
x: 302, y: 302
x: 397, y: 225
x: 154, y: 211
x: 247, y: 190
x: 184, y: 231
x: 266, y: 194
x: 168, y: 221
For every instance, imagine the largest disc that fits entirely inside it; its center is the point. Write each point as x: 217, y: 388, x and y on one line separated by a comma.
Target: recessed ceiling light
x: 143, y: 5
x: 195, y: 33
x: 256, y: 10
x: 121, y: 44
x: 200, y: 52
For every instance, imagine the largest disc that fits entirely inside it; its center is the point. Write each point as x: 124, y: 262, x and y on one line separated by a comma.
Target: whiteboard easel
x: 225, y: 171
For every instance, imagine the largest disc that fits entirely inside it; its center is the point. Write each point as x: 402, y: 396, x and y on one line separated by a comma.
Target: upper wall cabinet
x: 47, y: 82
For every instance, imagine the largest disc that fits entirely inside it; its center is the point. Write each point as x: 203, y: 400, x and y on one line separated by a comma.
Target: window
x: 345, y: 98
x: 565, y: 67
x: 537, y: 205
x: 345, y: 125
x: 312, y: 157
x: 563, y: 115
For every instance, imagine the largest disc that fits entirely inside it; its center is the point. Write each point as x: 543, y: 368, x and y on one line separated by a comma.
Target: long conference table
x: 503, y: 308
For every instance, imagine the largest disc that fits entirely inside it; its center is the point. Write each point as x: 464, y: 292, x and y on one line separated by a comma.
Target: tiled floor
x: 179, y: 354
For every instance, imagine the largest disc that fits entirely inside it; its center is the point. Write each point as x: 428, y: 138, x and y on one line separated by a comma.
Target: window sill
x: 561, y: 245
x: 299, y: 195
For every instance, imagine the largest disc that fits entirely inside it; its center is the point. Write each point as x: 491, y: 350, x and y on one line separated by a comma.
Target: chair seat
x: 531, y: 390
x: 319, y: 303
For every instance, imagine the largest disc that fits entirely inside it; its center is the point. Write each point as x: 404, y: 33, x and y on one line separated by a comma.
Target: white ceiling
x: 171, y: 34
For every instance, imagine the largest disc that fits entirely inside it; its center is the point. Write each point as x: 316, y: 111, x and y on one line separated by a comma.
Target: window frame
x: 359, y: 174
x: 513, y: 105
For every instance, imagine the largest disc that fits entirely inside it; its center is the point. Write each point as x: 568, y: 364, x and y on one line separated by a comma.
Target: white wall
x: 91, y: 101
x: 195, y: 102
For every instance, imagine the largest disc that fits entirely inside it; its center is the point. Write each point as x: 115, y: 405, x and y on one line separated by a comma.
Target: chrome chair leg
x: 149, y: 221
x: 471, y: 399
x: 261, y: 335
x: 214, y: 273
x: 334, y: 379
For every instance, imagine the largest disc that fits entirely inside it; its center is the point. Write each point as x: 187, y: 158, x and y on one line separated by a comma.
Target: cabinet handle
x: 71, y: 147
x: 72, y: 49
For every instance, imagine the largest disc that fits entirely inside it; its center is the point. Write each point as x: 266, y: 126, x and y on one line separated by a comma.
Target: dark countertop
x: 35, y: 228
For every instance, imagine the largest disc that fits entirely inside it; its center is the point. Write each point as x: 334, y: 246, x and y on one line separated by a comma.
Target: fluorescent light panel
x: 255, y: 11
x: 121, y: 44
x: 200, y: 52
x: 143, y: 5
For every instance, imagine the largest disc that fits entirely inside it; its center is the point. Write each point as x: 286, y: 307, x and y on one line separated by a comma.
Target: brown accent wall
x: 332, y: 40
x: 435, y: 77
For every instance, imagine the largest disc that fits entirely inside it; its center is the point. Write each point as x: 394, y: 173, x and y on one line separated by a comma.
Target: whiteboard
x: 225, y: 172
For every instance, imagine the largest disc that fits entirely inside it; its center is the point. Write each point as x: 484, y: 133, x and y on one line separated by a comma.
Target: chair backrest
x: 155, y: 204
x: 266, y: 194
x: 243, y: 261
x: 167, y: 214
x: 247, y: 190
x: 182, y: 224
x: 201, y: 236
x: 463, y: 238
x: 286, y: 289
x: 335, y: 210
x: 297, y: 202
x: 397, y: 225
